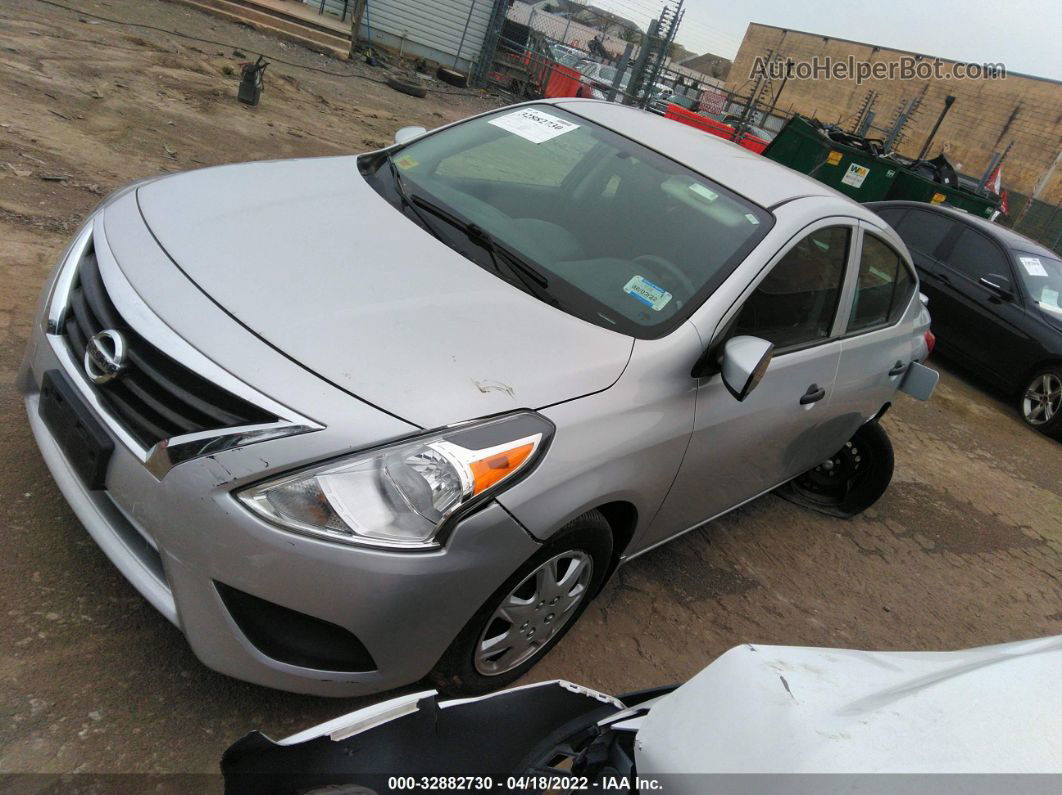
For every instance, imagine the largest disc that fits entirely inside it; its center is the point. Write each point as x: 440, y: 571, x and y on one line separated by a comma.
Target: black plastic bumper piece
x: 295, y: 638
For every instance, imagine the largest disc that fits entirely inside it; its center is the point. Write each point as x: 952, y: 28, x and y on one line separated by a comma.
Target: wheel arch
x: 1050, y: 361
x: 622, y: 518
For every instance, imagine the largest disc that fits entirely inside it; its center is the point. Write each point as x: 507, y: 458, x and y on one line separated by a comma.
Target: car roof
x: 751, y: 175
x: 1007, y: 237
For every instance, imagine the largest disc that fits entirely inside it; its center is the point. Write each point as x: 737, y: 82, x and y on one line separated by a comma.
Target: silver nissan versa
x: 351, y: 421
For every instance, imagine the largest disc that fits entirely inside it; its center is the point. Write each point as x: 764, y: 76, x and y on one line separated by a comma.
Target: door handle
x: 897, y: 368
x: 814, y: 394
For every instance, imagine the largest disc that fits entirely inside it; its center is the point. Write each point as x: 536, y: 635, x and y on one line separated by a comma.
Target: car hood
x: 308, y: 257
x: 776, y: 709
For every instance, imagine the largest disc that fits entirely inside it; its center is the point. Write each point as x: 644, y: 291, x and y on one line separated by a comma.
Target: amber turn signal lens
x: 488, y: 471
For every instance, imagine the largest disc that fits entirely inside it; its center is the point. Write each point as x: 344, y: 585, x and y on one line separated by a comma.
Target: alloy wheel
x: 1043, y: 399
x: 533, y: 612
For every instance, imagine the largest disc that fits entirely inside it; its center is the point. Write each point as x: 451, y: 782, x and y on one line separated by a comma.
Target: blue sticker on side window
x: 652, y: 295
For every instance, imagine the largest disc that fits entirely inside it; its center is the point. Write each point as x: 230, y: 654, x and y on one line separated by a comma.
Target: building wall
x: 433, y: 29
x: 986, y: 116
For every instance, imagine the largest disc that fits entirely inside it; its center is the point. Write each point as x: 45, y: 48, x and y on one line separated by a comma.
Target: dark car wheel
x: 1040, y: 403
x: 530, y: 612
x: 849, y: 481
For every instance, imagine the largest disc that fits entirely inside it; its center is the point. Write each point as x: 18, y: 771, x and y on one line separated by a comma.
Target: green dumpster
x: 853, y: 172
x: 914, y: 187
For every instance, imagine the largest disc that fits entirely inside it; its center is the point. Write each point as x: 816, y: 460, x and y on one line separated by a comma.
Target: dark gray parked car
x: 995, y: 298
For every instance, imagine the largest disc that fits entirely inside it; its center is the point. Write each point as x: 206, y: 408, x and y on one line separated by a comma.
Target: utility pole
x: 654, y: 51
x: 355, y: 25
x: 621, y: 70
x: 949, y: 100
x: 781, y: 88
x: 743, y: 121
x: 637, y: 76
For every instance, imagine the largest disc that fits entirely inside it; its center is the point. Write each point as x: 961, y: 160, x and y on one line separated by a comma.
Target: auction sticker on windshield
x: 533, y: 125
x: 652, y: 295
x: 1033, y: 266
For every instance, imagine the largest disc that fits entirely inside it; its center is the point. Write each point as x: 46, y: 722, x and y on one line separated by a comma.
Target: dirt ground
x: 965, y: 548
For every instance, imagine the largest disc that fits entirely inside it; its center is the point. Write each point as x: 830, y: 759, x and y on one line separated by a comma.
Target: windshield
x: 620, y: 235
x: 1043, y: 278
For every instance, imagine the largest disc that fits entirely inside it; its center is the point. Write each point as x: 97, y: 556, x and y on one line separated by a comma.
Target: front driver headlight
x: 404, y: 494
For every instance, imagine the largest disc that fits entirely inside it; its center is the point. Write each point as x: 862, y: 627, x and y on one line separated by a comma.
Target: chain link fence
x: 568, y: 49
x: 1034, y: 218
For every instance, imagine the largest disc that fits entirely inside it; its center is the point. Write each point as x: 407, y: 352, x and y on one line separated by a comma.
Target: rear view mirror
x: 1000, y: 285
x: 407, y: 134
x: 745, y: 360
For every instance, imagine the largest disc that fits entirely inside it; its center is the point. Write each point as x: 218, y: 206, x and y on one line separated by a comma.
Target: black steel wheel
x: 849, y: 481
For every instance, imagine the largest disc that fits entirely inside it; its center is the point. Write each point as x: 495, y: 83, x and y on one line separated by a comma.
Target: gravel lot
x: 965, y: 548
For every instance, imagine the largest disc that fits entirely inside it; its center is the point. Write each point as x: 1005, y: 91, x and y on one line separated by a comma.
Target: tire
x: 851, y: 480
x: 463, y: 672
x: 407, y: 87
x: 1040, y: 402
x: 452, y: 77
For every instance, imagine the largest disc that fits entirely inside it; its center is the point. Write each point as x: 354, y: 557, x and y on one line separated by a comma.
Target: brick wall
x: 986, y: 116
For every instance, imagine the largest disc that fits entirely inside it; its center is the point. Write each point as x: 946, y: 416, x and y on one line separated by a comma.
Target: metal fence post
x: 621, y: 69
x: 490, y: 42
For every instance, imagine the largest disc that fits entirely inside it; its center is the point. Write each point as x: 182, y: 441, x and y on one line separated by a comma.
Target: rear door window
x: 883, y: 289
x: 924, y: 231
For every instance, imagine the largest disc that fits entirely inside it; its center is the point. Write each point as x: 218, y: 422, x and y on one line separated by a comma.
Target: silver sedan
x: 351, y: 421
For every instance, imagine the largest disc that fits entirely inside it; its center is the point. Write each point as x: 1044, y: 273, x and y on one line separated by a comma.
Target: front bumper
x: 178, y: 534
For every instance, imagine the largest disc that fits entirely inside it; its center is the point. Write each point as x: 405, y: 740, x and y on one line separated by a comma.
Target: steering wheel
x: 671, y: 270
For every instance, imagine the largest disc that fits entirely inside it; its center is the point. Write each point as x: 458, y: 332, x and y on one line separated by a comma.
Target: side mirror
x: 1000, y: 285
x: 745, y: 361
x: 407, y: 134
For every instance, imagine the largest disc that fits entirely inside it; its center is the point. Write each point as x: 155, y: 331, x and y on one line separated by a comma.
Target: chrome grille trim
x: 160, y: 457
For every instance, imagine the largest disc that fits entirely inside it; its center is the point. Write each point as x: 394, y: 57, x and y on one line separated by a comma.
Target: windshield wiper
x: 534, y: 280
x: 529, y: 276
x: 404, y: 197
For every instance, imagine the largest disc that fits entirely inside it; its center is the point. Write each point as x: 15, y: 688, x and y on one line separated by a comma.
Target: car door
x: 924, y: 232
x: 877, y: 347
x: 739, y: 449
x: 985, y: 328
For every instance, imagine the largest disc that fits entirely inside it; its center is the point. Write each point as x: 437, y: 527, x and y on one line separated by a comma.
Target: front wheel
x: 1041, y: 402
x: 530, y: 612
x: 849, y: 481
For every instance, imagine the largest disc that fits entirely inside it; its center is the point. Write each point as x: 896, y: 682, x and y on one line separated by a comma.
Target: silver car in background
x: 351, y: 421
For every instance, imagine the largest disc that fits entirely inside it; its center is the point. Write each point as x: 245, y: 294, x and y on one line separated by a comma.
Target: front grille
x: 155, y: 397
